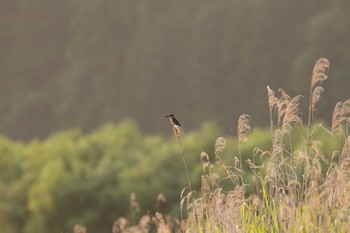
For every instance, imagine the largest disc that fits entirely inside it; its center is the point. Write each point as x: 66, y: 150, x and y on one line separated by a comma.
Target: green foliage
x: 72, y: 178
x: 12, y: 211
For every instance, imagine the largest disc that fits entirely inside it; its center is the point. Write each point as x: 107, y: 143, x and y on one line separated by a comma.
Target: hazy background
x: 77, y: 63
x: 83, y: 64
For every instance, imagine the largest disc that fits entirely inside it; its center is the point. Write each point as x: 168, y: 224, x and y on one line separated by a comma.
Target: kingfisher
x: 176, y: 125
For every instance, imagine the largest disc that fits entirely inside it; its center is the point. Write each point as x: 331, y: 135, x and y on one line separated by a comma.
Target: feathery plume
x: 272, y: 99
x: 119, y: 225
x: 277, y: 147
x: 161, y: 224
x: 320, y: 71
x: 285, y: 96
x: 282, y: 104
x: 220, y: 145
x: 205, y: 161
x: 337, y: 118
x: 243, y: 127
x: 316, y: 96
x: 345, y: 152
x: 345, y: 112
x: 292, y: 112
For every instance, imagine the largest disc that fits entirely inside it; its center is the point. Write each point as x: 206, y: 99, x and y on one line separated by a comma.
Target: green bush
x: 69, y: 178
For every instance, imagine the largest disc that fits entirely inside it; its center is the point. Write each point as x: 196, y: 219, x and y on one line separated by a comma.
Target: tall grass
x: 296, y: 189
x: 293, y: 187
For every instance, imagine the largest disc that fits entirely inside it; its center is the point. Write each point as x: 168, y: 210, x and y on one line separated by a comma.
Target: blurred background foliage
x: 81, y: 63
x: 70, y: 68
x: 69, y: 178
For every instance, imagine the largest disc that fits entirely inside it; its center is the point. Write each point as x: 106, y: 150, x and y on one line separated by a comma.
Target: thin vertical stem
x: 309, y: 122
x: 177, y: 134
x: 291, y: 147
x: 271, y: 126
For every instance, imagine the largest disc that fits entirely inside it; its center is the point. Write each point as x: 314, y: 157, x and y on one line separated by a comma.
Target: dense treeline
x: 70, y: 178
x: 82, y: 63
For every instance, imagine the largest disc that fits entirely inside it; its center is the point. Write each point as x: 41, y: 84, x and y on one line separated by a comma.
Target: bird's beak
x: 166, y: 116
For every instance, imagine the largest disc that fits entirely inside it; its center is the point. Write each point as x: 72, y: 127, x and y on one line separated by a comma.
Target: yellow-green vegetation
x: 75, y: 178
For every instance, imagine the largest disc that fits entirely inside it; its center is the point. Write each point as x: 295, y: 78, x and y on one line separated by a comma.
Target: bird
x: 176, y: 125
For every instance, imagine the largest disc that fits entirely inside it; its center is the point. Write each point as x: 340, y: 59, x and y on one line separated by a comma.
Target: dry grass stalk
x: 142, y: 227
x: 344, y: 167
x: 234, y: 198
x: 161, y: 224
x: 345, y: 152
x: 316, y: 96
x: 223, y: 210
x: 220, y: 145
x: 271, y: 173
x: 346, y: 108
x: 252, y: 165
x: 134, y: 204
x: 328, y: 187
x: 229, y: 174
x: 346, y: 114
x: 291, y: 115
x: 277, y: 147
x: 271, y: 98
x: 205, y: 162
x: 315, y: 145
x: 337, y: 119
x: 282, y: 104
x: 286, y: 98
x: 273, y: 101
x: 288, y: 110
x: 242, y: 131
x: 340, y: 114
x: 161, y: 199
x: 319, y: 74
x: 79, y: 228
x: 120, y: 225
x: 243, y: 127
x: 273, y: 167
x: 320, y: 71
x: 315, y: 176
x: 144, y: 224
x: 289, y: 197
x: 217, y: 201
x: 205, y: 191
x: 178, y: 133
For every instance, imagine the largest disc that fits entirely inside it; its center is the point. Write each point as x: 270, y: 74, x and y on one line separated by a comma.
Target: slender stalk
x: 177, y: 134
x: 309, y: 122
x: 271, y: 126
x: 272, y: 103
x: 291, y: 147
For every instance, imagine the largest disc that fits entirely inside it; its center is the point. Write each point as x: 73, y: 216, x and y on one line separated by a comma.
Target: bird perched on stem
x: 177, y: 131
x: 176, y: 125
